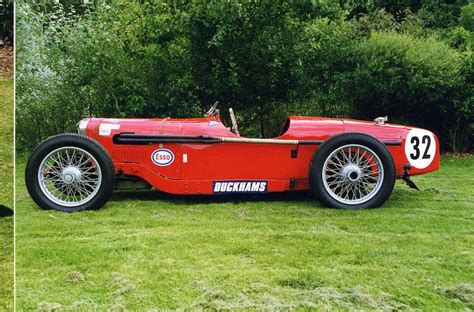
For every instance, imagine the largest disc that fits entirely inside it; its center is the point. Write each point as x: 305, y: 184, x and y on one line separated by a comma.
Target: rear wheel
x: 70, y: 172
x: 352, y: 171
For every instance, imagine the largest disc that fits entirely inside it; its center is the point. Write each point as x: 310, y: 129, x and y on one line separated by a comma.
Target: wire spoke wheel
x: 352, y: 174
x: 70, y: 172
x: 69, y: 176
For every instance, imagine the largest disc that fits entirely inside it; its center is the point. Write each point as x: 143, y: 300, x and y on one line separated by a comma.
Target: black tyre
x: 352, y: 171
x: 70, y: 172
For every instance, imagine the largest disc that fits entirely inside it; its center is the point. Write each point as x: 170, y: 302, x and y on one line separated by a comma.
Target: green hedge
x: 265, y: 59
x: 6, y: 20
x: 416, y: 81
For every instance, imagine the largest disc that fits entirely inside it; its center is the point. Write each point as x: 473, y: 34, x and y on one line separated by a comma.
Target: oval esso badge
x: 162, y: 157
x: 420, y: 148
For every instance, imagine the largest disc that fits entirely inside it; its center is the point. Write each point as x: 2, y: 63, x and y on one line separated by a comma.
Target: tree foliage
x: 266, y: 59
x: 419, y: 81
x: 6, y: 21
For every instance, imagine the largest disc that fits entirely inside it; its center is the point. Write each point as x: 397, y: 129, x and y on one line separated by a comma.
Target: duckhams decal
x: 225, y: 187
x: 162, y: 157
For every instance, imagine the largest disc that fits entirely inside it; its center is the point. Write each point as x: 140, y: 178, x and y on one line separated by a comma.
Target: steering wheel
x: 213, y: 110
x: 235, y: 128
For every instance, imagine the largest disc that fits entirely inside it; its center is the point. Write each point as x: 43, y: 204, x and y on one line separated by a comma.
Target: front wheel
x: 70, y: 172
x: 352, y: 171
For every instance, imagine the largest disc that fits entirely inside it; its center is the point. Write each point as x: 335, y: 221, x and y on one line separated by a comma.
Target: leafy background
x: 410, y: 60
x: 6, y: 21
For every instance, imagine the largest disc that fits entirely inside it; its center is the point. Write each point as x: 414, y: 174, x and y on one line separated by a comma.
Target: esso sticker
x: 420, y: 148
x: 162, y: 157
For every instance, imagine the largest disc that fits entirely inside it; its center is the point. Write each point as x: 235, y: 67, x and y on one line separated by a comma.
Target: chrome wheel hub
x: 71, y: 174
x: 351, y: 172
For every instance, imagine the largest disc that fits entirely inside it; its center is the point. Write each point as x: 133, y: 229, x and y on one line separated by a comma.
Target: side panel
x: 202, y: 164
x: 174, y: 186
x: 164, y: 160
x: 246, y: 161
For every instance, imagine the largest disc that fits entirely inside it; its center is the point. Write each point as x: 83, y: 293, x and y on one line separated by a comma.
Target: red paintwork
x: 236, y: 161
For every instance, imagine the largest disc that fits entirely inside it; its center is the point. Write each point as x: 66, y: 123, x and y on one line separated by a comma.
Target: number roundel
x: 420, y: 148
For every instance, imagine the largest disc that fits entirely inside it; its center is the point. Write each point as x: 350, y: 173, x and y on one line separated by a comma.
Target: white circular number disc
x: 420, y: 148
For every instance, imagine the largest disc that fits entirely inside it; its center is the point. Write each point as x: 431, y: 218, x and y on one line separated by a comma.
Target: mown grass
x: 6, y: 192
x: 148, y: 251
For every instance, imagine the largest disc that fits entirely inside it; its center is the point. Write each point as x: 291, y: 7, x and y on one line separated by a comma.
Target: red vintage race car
x: 345, y: 163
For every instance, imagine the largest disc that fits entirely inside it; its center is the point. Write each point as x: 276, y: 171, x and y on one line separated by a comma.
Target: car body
x: 198, y: 161
x: 203, y: 156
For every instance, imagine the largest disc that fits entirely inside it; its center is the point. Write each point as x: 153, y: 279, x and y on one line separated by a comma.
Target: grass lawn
x: 6, y: 189
x: 148, y: 251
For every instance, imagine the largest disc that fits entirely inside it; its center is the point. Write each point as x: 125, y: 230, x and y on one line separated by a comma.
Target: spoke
x: 345, y: 157
x: 82, y: 192
x: 348, y: 191
x: 367, y: 167
x: 55, y: 180
x: 73, y: 156
x: 88, y: 170
x: 50, y: 174
x: 84, y: 187
x: 336, y: 182
x: 84, y: 162
x: 53, y: 169
x: 67, y: 157
x: 352, y: 190
x: 62, y: 160
x: 77, y: 193
x: 67, y: 191
x: 357, y: 156
x: 339, y: 157
x: 365, y: 179
x: 368, y: 161
x: 373, y: 175
x: 356, y: 191
x: 62, y: 188
x: 362, y: 157
x: 335, y: 172
x: 352, y: 155
x: 359, y: 190
x: 367, y: 182
x: 337, y: 165
x: 57, y: 160
x: 73, y: 194
x: 88, y: 179
x: 80, y: 159
x: 345, y: 188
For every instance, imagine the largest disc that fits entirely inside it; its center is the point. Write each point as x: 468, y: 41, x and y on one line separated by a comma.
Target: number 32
x: 425, y: 142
